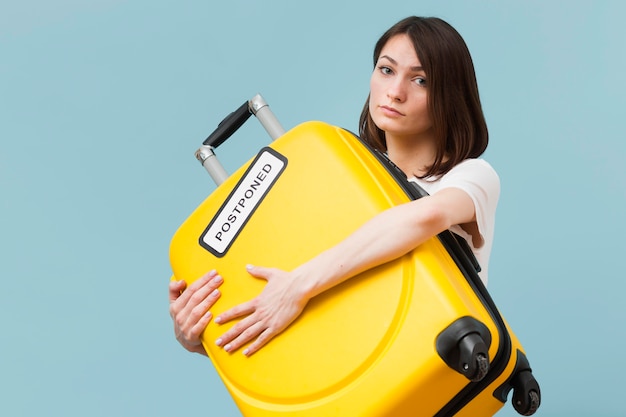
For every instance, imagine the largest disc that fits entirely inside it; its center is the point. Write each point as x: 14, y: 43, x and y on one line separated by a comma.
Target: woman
x: 424, y: 112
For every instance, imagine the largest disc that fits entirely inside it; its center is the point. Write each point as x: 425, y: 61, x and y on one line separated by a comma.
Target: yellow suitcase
x: 419, y: 336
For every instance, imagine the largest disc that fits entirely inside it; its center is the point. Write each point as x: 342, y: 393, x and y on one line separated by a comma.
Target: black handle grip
x: 228, y: 126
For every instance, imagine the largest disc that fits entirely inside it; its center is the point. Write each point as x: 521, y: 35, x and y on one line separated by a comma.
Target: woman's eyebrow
x: 393, y: 61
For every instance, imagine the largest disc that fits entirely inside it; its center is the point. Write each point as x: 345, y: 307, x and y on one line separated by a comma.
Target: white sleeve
x: 481, y: 182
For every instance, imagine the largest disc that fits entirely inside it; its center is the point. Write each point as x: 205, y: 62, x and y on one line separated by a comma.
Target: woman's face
x: 398, y: 92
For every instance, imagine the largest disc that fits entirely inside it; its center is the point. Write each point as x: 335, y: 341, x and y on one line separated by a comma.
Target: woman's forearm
x: 385, y: 237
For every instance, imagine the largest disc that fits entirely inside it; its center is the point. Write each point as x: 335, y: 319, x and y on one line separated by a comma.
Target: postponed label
x: 243, y: 201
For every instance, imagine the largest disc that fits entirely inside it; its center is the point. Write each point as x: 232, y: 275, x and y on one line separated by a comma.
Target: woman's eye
x: 385, y: 70
x: 421, y: 81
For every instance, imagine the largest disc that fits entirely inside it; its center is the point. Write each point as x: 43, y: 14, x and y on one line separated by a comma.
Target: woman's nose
x: 396, y: 90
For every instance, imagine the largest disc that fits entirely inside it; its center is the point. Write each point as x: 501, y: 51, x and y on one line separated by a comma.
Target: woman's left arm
x: 387, y: 236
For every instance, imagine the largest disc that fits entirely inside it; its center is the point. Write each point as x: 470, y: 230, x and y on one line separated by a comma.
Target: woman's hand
x: 267, y: 315
x: 189, y: 308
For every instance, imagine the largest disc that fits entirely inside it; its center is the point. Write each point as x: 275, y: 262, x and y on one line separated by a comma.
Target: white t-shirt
x: 481, y: 182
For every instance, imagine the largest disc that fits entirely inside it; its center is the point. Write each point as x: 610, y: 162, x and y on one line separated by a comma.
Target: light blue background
x: 103, y: 102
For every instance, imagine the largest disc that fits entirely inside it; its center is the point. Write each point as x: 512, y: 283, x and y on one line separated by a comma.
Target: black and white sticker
x: 243, y: 201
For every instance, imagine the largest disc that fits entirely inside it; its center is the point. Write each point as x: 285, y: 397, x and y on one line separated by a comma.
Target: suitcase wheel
x: 464, y: 347
x: 481, y: 367
x: 526, y: 398
x: 526, y: 392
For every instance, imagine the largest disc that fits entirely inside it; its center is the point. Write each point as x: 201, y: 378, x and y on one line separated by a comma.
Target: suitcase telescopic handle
x: 228, y: 126
x: 255, y: 106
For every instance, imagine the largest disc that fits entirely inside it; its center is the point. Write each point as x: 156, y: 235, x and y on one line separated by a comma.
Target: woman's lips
x: 390, y: 111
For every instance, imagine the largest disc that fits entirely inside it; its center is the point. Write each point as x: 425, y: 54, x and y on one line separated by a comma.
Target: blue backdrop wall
x: 103, y: 103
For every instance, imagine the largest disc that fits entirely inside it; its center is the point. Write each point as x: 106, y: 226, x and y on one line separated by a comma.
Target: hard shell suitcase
x: 418, y: 336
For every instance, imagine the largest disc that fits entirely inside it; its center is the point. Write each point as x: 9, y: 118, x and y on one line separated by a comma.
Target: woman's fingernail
x: 246, y: 351
x: 217, y: 279
x: 208, y: 315
x: 218, y: 342
x: 249, y: 267
x: 215, y: 293
x: 227, y: 347
x: 218, y: 320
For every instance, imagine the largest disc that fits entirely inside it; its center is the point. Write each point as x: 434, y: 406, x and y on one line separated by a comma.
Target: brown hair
x: 453, y: 101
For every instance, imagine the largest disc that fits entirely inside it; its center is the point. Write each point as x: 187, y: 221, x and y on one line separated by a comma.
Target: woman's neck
x: 413, y: 157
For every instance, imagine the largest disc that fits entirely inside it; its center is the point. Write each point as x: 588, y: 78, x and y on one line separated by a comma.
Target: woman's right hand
x: 189, y: 308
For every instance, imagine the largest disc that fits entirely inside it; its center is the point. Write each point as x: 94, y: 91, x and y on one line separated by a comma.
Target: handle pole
x: 209, y: 161
x: 260, y: 108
